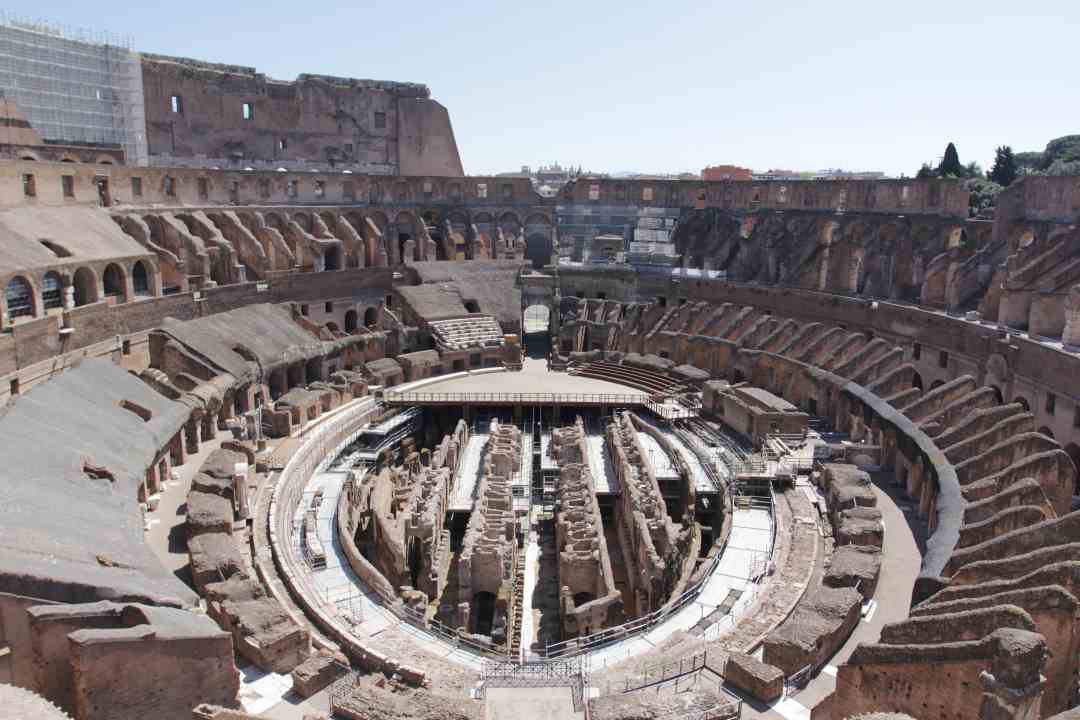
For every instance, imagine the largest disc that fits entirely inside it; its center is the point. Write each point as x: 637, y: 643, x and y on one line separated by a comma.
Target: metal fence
x: 573, y: 673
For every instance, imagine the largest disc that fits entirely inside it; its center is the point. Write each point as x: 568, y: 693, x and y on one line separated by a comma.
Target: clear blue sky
x: 666, y: 86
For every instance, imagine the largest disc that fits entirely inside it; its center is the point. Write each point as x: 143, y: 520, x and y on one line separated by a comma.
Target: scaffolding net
x: 75, y: 87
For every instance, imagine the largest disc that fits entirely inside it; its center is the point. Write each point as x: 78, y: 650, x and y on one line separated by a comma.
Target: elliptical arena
x: 379, y: 445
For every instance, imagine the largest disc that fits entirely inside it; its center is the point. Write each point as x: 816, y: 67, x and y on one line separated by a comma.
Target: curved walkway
x: 900, y: 561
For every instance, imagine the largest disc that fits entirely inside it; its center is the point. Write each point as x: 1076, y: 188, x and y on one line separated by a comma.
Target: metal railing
x: 508, y: 398
x: 572, y: 673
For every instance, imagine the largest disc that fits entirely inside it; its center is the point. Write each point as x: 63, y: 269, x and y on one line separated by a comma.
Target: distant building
x: 726, y: 172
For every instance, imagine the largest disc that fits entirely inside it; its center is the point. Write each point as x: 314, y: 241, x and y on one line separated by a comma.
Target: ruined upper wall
x: 936, y: 197
x: 200, y: 113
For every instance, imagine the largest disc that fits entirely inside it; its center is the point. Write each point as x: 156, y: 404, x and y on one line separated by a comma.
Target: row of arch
x: 25, y: 298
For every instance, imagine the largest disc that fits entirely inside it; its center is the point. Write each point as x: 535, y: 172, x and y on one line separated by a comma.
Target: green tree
x: 1004, y: 171
x: 950, y: 164
x: 925, y: 172
x: 982, y: 194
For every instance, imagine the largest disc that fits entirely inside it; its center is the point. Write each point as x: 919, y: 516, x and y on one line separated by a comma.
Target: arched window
x: 114, y: 281
x: 20, y: 298
x: 350, y: 321
x: 140, y: 279
x: 85, y: 287
x: 371, y: 317
x: 52, y: 291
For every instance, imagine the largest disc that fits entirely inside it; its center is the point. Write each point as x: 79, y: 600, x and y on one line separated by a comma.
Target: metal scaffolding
x: 74, y: 87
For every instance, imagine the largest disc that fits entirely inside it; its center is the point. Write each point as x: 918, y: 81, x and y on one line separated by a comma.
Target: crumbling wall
x: 588, y: 596
x: 650, y: 540
x: 489, y: 550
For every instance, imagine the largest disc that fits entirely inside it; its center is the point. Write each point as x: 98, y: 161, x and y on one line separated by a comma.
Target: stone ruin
x: 588, y: 598
x: 653, y: 547
x: 486, y: 568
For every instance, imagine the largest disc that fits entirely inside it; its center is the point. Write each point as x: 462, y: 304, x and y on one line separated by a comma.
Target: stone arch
x: 371, y: 317
x: 86, y: 286
x: 304, y: 221
x: 433, y: 222
x: 1023, y: 402
x: 485, y: 229
x: 998, y: 395
x: 52, y: 291
x: 1047, y: 432
x: 405, y: 230
x: 916, y: 380
x: 510, y: 224
x: 19, y: 298
x: 332, y: 256
x: 141, y: 279
x: 350, y: 321
x: 1073, y: 451
x: 114, y: 282
x: 936, y: 384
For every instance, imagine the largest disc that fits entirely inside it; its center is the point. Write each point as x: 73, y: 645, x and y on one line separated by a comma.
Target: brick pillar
x: 1071, y: 335
x: 191, y: 435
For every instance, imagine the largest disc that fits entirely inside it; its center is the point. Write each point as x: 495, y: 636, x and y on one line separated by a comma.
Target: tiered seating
x: 650, y: 381
x: 468, y: 332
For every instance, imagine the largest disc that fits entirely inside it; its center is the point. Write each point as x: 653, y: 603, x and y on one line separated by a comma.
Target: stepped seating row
x: 649, y: 381
x: 998, y: 566
x: 468, y: 332
x: 262, y: 630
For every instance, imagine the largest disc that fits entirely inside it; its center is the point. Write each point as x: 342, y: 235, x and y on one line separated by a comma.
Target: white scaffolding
x: 74, y: 87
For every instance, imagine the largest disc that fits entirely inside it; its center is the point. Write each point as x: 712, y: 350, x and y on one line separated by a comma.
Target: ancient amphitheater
x: 396, y: 442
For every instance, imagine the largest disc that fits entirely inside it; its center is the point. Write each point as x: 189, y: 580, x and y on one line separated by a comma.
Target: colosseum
x: 355, y: 435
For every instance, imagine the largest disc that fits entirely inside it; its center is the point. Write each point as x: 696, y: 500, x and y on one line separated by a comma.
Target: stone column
x: 1071, y: 334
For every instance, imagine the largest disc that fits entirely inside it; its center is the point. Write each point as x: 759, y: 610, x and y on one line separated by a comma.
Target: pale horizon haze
x: 666, y: 87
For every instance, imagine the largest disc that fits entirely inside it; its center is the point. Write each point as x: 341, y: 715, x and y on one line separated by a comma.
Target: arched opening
x: 140, y: 279
x: 332, y: 257
x: 295, y: 374
x: 52, y: 291
x: 998, y: 396
x: 936, y: 384
x: 737, y: 376
x: 483, y: 612
x: 538, y: 250
x: 1047, y: 432
x: 19, y: 295
x: 433, y: 223
x: 85, y: 287
x: 916, y: 381
x: 350, y: 321
x: 278, y: 385
x: 536, y: 327
x: 113, y: 279
x: 333, y: 327
x: 403, y: 226
x: 371, y: 317
x: 1073, y: 451
x: 583, y: 598
x: 313, y: 370
x: 472, y: 306
x: 1023, y: 402
x: 415, y: 561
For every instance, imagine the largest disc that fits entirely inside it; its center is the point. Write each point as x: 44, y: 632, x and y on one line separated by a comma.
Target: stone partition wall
x: 404, y: 508
x: 489, y: 550
x: 652, y: 545
x: 588, y: 598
